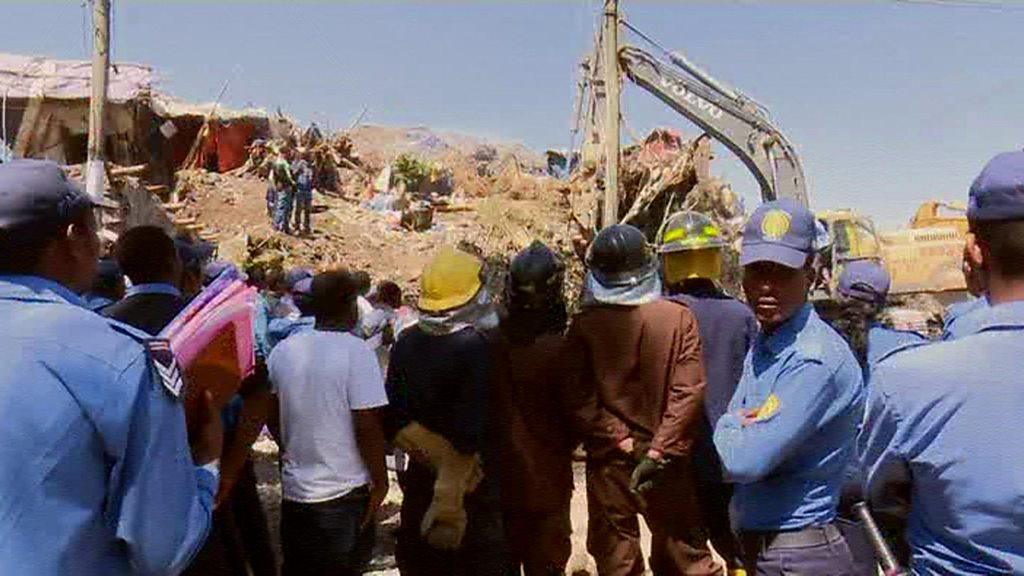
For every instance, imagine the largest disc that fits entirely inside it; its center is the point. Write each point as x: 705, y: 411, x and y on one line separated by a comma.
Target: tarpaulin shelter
x: 223, y: 145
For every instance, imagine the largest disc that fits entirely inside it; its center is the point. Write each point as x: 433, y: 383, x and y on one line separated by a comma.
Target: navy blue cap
x: 998, y: 192
x: 295, y: 275
x: 866, y: 281
x: 36, y: 195
x: 781, y: 231
x: 109, y: 270
x: 303, y: 287
x: 193, y: 254
x: 214, y: 269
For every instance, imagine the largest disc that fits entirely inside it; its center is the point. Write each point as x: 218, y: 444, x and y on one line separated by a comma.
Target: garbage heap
x: 657, y: 177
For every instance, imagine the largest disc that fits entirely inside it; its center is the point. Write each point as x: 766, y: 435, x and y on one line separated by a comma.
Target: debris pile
x: 334, y: 159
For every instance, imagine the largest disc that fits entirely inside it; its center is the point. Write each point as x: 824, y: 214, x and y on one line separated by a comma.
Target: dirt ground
x: 383, y: 563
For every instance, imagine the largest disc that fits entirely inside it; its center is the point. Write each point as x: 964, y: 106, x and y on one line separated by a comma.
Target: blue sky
x: 888, y: 103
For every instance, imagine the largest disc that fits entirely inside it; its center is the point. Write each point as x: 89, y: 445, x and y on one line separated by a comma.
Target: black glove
x: 647, y: 474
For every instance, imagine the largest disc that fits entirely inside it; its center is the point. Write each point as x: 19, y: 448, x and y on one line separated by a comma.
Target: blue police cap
x: 109, y: 270
x: 303, y: 287
x: 36, y: 196
x: 193, y: 255
x: 998, y: 192
x: 295, y: 275
x: 866, y: 281
x: 214, y: 269
x: 781, y: 231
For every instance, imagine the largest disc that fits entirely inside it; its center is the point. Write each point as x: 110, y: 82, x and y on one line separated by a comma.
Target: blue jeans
x: 831, y: 558
x: 303, y: 207
x: 326, y: 537
x: 285, y: 199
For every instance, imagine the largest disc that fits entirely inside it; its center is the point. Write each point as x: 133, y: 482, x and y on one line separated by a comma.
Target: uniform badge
x: 776, y: 224
x: 768, y: 409
x: 165, y: 366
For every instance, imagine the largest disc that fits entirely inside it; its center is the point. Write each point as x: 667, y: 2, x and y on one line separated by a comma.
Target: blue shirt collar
x: 786, y: 333
x: 155, y: 288
x: 37, y: 288
x: 999, y: 316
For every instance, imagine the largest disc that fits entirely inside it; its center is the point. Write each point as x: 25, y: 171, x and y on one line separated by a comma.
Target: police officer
x: 788, y: 434
x: 96, y: 476
x: 942, y: 419
x: 957, y: 321
x: 864, y: 285
x: 691, y: 262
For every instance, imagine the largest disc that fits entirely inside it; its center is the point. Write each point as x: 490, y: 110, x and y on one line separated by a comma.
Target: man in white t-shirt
x: 330, y: 392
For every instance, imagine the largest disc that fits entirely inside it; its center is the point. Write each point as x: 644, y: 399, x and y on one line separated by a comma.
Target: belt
x: 755, y: 541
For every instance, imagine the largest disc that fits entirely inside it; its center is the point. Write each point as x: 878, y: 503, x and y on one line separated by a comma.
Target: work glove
x: 647, y: 474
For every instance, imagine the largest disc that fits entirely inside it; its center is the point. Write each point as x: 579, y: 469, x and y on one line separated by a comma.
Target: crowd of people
x: 743, y: 432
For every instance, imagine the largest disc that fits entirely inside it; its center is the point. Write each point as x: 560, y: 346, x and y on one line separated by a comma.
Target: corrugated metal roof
x: 30, y: 76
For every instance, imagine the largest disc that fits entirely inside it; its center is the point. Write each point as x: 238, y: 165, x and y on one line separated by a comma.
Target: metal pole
x: 94, y: 182
x: 610, y: 214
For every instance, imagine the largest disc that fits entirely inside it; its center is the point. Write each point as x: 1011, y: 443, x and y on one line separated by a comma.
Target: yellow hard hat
x: 450, y: 280
x: 700, y: 263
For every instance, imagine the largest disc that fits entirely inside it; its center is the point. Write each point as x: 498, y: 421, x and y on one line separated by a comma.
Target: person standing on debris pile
x: 151, y: 261
x: 937, y: 443
x: 96, y: 474
x: 302, y: 170
x: 691, y: 249
x: 284, y: 190
x: 438, y: 386
x: 333, y: 474
x: 635, y: 389
x: 535, y: 440
x: 108, y: 287
x: 787, y: 437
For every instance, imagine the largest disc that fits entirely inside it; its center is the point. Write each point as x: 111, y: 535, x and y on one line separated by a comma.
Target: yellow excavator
x: 926, y: 257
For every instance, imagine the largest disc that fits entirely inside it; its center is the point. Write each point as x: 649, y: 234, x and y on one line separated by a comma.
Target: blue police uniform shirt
x: 960, y: 318
x: 96, y: 303
x: 96, y: 475
x: 280, y: 328
x: 945, y: 417
x: 883, y: 340
x: 154, y: 288
x: 789, y: 462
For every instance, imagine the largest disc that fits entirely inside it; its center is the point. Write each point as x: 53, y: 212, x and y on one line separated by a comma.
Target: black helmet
x: 620, y: 256
x: 535, y: 277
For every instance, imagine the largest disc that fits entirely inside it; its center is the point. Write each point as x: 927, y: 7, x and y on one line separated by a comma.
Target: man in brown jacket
x: 636, y: 395
x: 534, y: 439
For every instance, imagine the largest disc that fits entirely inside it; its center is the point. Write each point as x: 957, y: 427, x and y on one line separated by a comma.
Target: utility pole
x: 94, y: 179
x: 610, y: 214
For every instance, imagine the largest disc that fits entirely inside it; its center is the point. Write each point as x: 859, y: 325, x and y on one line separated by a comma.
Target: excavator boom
x: 726, y: 116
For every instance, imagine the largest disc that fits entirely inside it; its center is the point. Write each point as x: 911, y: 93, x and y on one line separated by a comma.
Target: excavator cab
x: 852, y: 237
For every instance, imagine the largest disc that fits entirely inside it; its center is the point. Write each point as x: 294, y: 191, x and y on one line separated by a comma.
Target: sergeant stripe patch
x: 165, y: 366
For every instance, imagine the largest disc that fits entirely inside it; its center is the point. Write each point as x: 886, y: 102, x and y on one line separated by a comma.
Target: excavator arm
x: 732, y: 119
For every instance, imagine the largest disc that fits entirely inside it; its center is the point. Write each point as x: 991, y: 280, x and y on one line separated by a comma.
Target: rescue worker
x: 787, y: 437
x: 635, y: 389
x: 691, y: 248
x: 108, y: 287
x: 150, y: 259
x: 438, y: 387
x: 535, y: 441
x: 942, y: 419
x: 864, y: 288
x: 96, y: 475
